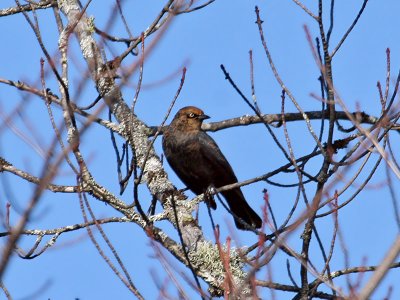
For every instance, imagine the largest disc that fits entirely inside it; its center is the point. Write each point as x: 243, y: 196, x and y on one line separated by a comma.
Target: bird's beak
x: 203, y: 117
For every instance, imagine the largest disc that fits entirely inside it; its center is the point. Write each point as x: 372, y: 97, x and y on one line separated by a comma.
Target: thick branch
x: 27, y: 7
x: 136, y: 133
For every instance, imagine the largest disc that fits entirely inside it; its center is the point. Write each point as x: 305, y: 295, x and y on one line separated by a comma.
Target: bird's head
x: 189, y: 118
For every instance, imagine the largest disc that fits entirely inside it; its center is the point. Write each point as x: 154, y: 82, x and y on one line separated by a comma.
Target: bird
x: 198, y: 161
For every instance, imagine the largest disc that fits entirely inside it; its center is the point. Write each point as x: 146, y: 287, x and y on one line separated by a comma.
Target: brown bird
x: 199, y: 163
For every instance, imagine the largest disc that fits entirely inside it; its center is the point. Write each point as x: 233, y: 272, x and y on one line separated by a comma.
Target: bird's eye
x: 191, y: 115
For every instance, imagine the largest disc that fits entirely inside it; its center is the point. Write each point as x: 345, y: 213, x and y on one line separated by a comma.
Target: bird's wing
x: 222, y: 174
x: 222, y: 171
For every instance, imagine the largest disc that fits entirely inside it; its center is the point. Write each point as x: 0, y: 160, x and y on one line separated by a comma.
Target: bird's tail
x: 241, y: 210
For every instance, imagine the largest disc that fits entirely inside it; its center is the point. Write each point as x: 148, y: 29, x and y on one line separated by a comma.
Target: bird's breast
x: 181, y: 143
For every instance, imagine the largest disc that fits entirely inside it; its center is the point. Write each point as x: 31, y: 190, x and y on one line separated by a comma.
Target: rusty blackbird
x: 199, y: 163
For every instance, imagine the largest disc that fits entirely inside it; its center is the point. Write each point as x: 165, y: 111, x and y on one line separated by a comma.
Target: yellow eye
x: 191, y: 115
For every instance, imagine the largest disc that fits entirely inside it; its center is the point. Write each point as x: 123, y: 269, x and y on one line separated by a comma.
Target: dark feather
x: 199, y: 163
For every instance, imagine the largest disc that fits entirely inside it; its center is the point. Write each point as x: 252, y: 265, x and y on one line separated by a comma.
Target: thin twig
x: 350, y: 29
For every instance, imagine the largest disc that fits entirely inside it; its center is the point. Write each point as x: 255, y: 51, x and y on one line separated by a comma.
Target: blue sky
x: 221, y: 33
